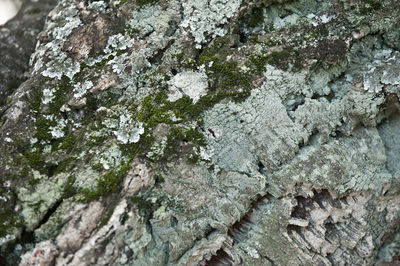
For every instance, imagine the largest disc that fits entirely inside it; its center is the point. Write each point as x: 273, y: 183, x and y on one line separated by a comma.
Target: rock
x: 205, y: 133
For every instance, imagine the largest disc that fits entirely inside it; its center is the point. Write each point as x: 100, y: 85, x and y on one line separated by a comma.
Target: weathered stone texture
x: 211, y: 132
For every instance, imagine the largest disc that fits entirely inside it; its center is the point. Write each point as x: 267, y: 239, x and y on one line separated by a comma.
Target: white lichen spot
x: 205, y: 18
x: 160, y: 213
x: 71, y: 22
x: 174, y: 94
x: 205, y: 154
x: 58, y: 130
x: 252, y: 252
x: 6, y: 239
x: 97, y: 6
x: 118, y: 42
x: 48, y: 95
x: 60, y: 24
x: 129, y: 131
x: 323, y: 19
x: 189, y: 83
x: 81, y: 89
x: 286, y: 21
x: 244, y: 69
x: 8, y: 139
x: 55, y: 69
x: 157, y: 150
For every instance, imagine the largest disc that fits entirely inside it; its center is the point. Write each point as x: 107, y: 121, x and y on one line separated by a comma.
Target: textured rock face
x: 17, y: 42
x: 206, y: 133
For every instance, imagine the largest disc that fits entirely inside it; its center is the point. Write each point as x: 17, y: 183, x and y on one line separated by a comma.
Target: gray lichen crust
x: 207, y: 132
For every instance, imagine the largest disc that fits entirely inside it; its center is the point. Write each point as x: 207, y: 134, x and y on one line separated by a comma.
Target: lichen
x: 204, y: 19
x: 141, y: 113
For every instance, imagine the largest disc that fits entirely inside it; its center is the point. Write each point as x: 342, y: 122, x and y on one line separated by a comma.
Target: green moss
x: 98, y: 167
x: 35, y: 101
x: 225, y: 77
x: 369, y: 6
x: 106, y: 217
x: 34, y: 181
x: 69, y: 189
x: 184, y: 61
x: 96, y: 140
x: 159, y: 179
x: 68, y: 143
x: 131, y: 31
x: 24, y: 170
x: 107, y: 184
x: 97, y: 66
x: 60, y: 95
x: 256, y: 18
x: 279, y: 59
x: 146, y: 2
x: 8, y: 220
x: 34, y: 11
x: 190, y: 137
x: 35, y: 160
x: 145, y: 204
x: 66, y: 165
x: 139, y: 2
x: 43, y: 128
x: 13, y: 83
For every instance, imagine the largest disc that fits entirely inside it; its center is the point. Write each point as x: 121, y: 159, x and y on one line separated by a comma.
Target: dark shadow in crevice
x: 221, y: 258
x: 49, y: 213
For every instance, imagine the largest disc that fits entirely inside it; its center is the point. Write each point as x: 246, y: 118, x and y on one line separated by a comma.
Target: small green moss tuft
x: 275, y: 58
x: 66, y: 165
x: 107, y: 184
x: 36, y: 160
x: 98, y: 167
x: 8, y: 220
x: 9, y: 100
x: 139, y: 2
x: 43, y: 128
x: 106, y: 217
x: 369, y: 6
x: 256, y: 18
x: 69, y: 189
x: 145, y: 204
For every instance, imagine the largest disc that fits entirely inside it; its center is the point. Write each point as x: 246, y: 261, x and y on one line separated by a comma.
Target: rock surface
x: 152, y: 132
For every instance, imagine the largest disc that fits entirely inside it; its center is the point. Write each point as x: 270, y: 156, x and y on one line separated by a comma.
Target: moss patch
x: 370, y: 6
x: 8, y: 221
x: 107, y: 184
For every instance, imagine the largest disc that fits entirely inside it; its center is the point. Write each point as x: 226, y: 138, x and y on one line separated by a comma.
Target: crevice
x: 238, y: 231
x: 262, y: 169
x: 209, y: 130
x: 207, y: 232
x: 221, y: 258
x: 269, y: 260
x: 389, y: 131
x: 49, y: 213
x: 293, y: 228
x: 156, y: 59
x: 51, y: 169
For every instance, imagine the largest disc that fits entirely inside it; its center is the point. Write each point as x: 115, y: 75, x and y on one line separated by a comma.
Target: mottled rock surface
x: 152, y: 132
x: 18, y: 39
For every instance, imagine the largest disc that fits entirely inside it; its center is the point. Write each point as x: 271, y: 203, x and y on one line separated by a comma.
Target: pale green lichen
x: 46, y: 194
x: 204, y: 19
x: 247, y: 125
x: 63, y: 21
